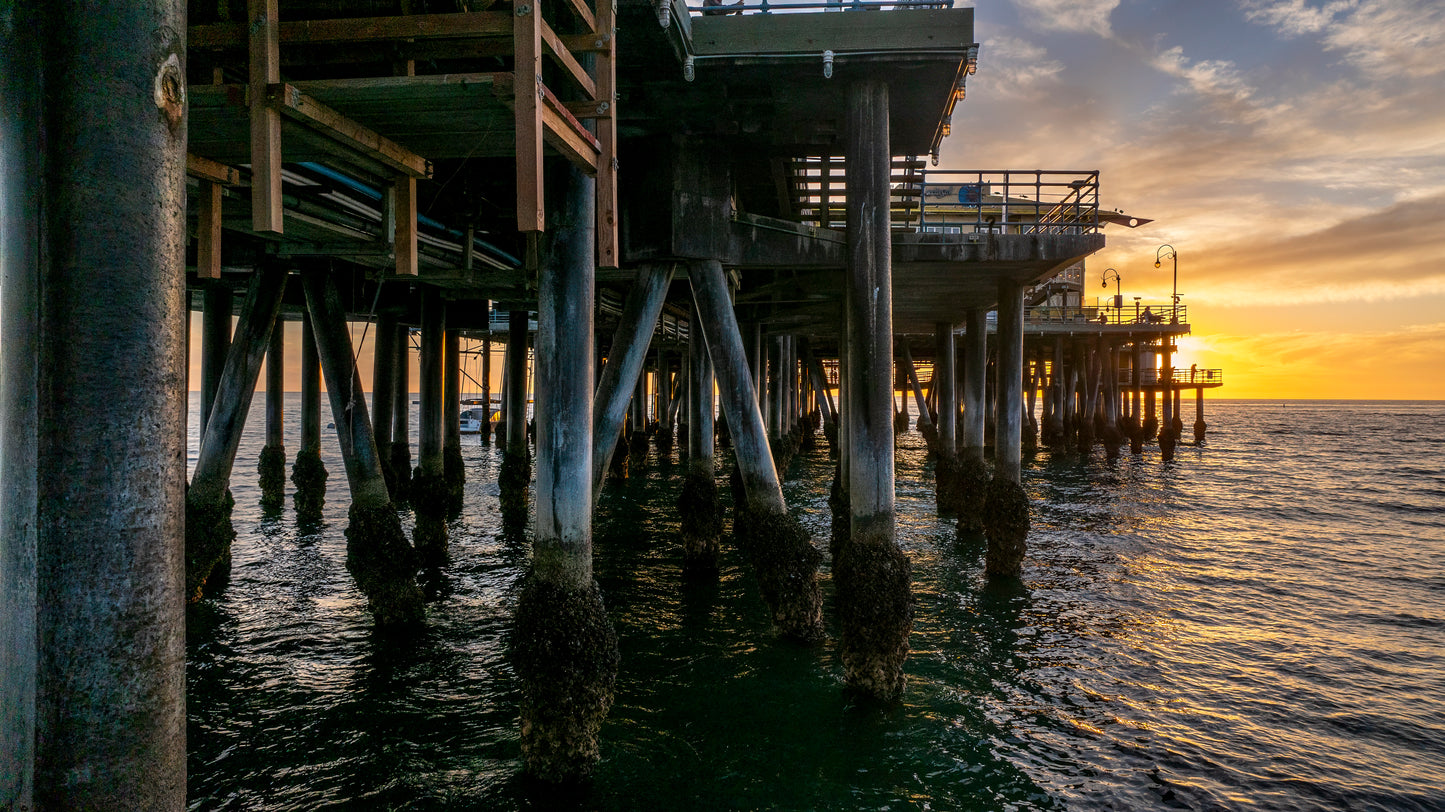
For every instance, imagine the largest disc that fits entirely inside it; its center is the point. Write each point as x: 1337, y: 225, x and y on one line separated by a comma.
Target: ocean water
x: 1259, y: 624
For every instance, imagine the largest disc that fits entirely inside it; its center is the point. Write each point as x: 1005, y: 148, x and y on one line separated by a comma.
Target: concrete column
x: 975, y: 383
x: 218, y: 302
x: 308, y: 473
x: 208, y: 500
x: 563, y: 646
x: 96, y: 227
x: 782, y: 555
x: 664, y: 403
x: 1006, y: 508
x: 272, y: 466
x: 401, y: 415
x: 926, y: 426
x: 945, y: 365
x: 873, y: 576
x: 21, y: 269
x: 637, y: 456
x: 624, y: 364
x: 377, y: 553
x: 1199, y: 424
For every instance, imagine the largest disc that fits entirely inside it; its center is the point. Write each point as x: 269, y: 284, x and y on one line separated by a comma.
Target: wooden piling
x: 453, y: 470
x: 516, y: 466
x: 215, y: 343
x: 401, y: 415
x: 377, y: 553
x: 624, y: 363
x: 383, y: 392
x: 1006, y: 508
x: 699, y: 508
x: 783, y: 558
x: 873, y: 576
x: 272, y: 465
x: 308, y: 472
x: 563, y: 645
x: 208, y: 500
x: 428, y: 484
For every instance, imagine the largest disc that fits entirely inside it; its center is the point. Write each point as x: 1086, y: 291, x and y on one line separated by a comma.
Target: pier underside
x: 714, y: 216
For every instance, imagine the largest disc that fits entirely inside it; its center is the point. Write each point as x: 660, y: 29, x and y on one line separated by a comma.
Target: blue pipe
x: 375, y: 194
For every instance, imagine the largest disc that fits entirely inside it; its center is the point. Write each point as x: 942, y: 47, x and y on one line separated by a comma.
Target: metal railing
x: 1180, y: 377
x: 723, y: 8
x: 1009, y: 201
x: 1128, y: 315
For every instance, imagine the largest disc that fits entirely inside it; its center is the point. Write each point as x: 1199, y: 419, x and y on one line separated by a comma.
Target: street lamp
x: 1118, y: 282
x: 1159, y: 257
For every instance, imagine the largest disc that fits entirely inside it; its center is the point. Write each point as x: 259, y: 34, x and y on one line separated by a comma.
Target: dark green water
x: 1258, y: 625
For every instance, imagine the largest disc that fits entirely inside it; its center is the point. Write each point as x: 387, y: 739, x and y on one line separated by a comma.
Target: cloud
x: 1383, y: 38
x: 1086, y: 16
x: 1387, y: 254
x: 1217, y: 78
x: 1020, y: 69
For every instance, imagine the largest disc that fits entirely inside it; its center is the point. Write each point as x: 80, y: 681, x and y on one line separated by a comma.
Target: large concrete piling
x: 624, y: 364
x: 92, y: 566
x: 428, y: 483
x: 308, y: 473
x: 208, y: 501
x: 377, y: 553
x: 699, y: 507
x: 873, y: 576
x: 272, y: 465
x: 1006, y: 508
x: 784, y: 559
x: 1168, y: 436
x: 563, y: 645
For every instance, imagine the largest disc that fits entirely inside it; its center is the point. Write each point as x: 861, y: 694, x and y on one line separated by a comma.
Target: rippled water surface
x: 1259, y: 624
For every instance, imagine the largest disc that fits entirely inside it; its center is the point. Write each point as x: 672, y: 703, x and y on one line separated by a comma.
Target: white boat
x: 474, y: 419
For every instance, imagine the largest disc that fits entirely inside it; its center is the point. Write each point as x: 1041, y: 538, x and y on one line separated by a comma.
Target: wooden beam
x: 265, y: 70
x: 563, y: 57
x: 585, y: 110
x: 312, y: 113
x: 213, y: 171
x: 467, y: 25
x: 527, y: 92
x: 605, y: 69
x: 208, y: 231
x: 567, y: 135
x: 579, y: 7
x: 404, y: 237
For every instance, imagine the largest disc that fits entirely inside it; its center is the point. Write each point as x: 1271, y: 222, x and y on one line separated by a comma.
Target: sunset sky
x: 1293, y: 152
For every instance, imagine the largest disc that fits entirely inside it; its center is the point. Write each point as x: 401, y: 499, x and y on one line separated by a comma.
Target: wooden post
x: 272, y: 465
x: 265, y: 70
x: 527, y: 102
x: 517, y: 384
x: 975, y: 365
x: 208, y: 231
x: 1006, y: 507
x: 453, y: 470
x: 624, y: 364
x: 215, y: 343
x: 1007, y: 457
x: 383, y: 383
x: 429, y: 422
x: 872, y: 575
x: 782, y: 555
x: 400, y: 454
x: 208, y: 507
x: 945, y: 367
x: 563, y: 646
x: 404, y: 222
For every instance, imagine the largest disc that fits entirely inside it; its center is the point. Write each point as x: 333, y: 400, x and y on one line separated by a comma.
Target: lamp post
x: 1159, y: 257
x: 1118, y: 291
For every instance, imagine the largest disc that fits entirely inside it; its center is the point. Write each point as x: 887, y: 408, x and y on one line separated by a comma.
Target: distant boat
x: 474, y: 419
